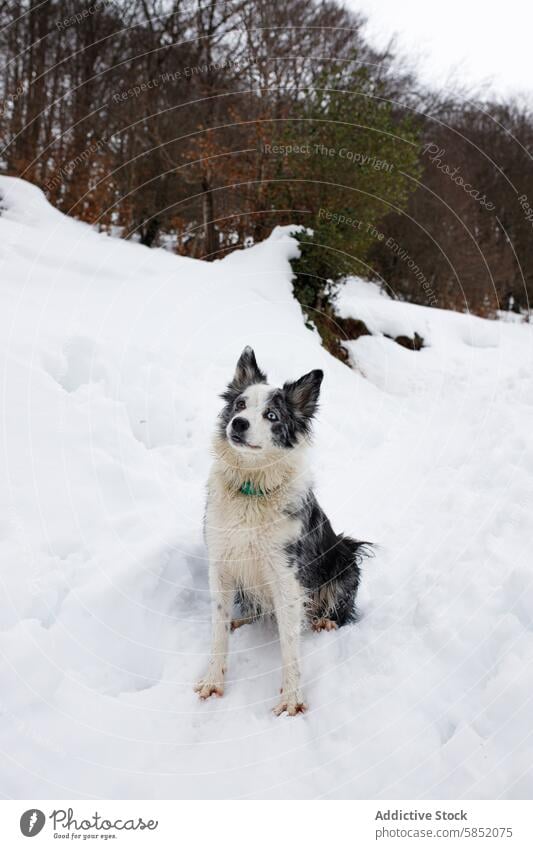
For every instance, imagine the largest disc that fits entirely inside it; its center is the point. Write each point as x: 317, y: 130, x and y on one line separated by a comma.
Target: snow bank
x: 384, y: 316
x: 112, y: 357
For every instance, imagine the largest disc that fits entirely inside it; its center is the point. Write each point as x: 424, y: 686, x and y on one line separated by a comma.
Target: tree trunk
x: 149, y: 233
x: 210, y: 233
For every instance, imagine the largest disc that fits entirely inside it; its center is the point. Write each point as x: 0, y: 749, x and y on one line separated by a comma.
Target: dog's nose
x: 239, y: 425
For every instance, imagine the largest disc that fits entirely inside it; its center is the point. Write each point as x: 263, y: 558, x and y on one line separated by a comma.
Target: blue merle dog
x: 271, y: 547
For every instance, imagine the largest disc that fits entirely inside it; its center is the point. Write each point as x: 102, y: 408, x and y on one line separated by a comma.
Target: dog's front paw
x: 291, y: 704
x: 324, y: 624
x: 205, y: 689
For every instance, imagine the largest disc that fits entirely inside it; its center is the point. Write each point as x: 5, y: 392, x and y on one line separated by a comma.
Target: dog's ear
x: 247, y: 373
x: 302, y: 395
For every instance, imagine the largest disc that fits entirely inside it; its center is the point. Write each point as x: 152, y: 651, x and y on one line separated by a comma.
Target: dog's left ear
x: 247, y: 373
x: 302, y: 395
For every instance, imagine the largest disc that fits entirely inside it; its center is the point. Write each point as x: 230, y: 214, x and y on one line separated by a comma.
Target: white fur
x: 246, y: 537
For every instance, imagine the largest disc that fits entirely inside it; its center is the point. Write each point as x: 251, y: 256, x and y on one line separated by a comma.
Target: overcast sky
x: 479, y: 41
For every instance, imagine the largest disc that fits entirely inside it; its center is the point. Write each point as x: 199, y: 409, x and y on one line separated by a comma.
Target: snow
x: 384, y: 316
x: 112, y: 358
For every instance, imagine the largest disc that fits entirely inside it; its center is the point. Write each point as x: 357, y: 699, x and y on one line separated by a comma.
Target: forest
x: 199, y: 127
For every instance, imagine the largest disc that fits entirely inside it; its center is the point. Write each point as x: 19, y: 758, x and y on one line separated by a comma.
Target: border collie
x: 271, y: 547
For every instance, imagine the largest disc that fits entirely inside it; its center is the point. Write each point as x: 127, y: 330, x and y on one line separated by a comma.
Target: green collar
x: 249, y: 489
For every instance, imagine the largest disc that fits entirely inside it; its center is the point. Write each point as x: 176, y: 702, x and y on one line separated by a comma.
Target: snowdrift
x: 112, y: 357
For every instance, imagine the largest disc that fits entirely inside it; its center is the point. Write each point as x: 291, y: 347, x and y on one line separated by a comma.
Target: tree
x: 348, y: 159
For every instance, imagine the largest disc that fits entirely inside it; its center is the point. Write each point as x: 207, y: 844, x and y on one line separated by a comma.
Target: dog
x: 271, y: 547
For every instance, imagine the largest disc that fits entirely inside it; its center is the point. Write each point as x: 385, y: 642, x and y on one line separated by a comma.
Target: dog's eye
x: 271, y: 416
x: 240, y: 405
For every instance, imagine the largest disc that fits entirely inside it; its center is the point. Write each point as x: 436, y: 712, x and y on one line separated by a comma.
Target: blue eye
x: 271, y: 416
x: 240, y: 405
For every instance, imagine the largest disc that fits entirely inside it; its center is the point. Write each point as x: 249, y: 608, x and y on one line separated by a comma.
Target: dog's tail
x: 361, y: 549
x: 349, y: 555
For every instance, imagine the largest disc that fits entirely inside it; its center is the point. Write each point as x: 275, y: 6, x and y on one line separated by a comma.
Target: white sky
x: 476, y: 41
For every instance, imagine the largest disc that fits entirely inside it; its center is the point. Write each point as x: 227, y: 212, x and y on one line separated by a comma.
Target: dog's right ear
x: 302, y: 395
x: 247, y: 373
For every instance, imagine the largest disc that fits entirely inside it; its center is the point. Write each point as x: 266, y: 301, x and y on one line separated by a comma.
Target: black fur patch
x: 327, y: 564
x: 302, y: 400
x: 295, y: 406
x: 286, y: 430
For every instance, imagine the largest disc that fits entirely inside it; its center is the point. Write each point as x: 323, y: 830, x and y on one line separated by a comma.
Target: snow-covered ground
x: 112, y: 357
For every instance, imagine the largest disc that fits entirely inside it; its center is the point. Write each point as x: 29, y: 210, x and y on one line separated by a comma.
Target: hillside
x: 112, y: 359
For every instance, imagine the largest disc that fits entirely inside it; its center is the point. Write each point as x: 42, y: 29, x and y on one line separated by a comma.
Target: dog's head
x: 258, y: 417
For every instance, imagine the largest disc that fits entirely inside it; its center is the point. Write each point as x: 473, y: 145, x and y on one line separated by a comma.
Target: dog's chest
x: 248, y: 533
